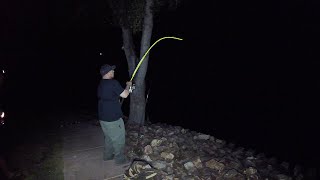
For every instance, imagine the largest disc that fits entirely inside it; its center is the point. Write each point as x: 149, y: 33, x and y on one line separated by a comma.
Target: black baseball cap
x: 106, y: 68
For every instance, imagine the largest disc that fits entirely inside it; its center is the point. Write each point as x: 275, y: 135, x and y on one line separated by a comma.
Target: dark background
x: 246, y: 72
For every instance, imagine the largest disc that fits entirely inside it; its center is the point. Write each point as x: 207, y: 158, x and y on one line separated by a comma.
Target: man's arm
x: 126, y: 92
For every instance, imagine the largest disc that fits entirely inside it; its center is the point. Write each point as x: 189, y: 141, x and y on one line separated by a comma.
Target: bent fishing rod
x: 131, y: 88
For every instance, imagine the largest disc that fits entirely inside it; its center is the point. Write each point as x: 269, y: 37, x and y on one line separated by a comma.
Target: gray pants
x: 114, y: 138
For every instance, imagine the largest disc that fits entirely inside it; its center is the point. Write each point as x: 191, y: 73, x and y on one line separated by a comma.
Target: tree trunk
x: 128, y: 47
x: 137, y: 98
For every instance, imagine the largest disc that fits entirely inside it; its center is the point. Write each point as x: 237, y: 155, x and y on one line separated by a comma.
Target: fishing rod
x: 131, y: 88
x: 145, y: 54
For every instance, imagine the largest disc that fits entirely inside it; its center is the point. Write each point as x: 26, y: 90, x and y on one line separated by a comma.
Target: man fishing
x: 110, y: 114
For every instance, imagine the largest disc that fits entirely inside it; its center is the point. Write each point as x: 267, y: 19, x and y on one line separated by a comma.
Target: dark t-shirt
x: 109, y: 107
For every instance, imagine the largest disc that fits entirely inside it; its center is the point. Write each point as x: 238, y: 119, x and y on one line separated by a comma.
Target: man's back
x: 109, y: 107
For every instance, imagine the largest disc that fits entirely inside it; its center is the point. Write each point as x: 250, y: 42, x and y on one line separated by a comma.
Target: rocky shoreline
x: 172, y: 152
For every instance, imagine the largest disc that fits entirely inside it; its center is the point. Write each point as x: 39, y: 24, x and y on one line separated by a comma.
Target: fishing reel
x: 131, y: 88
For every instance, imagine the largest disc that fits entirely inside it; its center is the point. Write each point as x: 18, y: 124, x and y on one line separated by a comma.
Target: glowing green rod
x: 145, y: 54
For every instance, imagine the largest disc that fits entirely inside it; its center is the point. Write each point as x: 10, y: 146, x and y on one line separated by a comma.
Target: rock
x: 148, y: 150
x: 283, y: 177
x: 156, y: 142
x: 183, y: 147
x: 183, y: 131
x: 250, y: 158
x: 147, y: 158
x: 189, y: 166
x: 198, y: 163
x: 248, y: 163
x: 211, y: 138
x: 203, y: 137
x: 219, y: 141
x: 250, y: 171
x: 235, y: 165
x: 160, y: 164
x: 174, y: 145
x: 209, y: 151
x: 181, y: 154
x: 159, y: 131
x: 167, y: 155
x: 213, y: 164
x: 170, y: 177
x: 169, y: 170
x: 230, y: 174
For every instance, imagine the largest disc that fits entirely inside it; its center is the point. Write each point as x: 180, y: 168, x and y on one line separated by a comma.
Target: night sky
x: 246, y: 71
